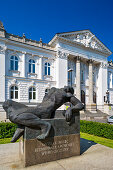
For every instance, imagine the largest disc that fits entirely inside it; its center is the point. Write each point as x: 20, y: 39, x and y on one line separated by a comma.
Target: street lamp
x: 70, y: 71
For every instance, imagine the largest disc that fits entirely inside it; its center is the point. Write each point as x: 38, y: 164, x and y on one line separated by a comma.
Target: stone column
x: 2, y: 72
x: 90, y: 81
x: 90, y: 105
x: 41, y: 68
x: 61, y: 69
x: 78, y: 88
x: 24, y: 64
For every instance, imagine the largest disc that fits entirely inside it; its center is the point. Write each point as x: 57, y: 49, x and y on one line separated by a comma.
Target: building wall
x: 22, y: 78
x: 110, y: 83
x: 61, y: 58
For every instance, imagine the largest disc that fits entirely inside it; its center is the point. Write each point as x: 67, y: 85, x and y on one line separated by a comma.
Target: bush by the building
x: 7, y: 130
x: 98, y: 129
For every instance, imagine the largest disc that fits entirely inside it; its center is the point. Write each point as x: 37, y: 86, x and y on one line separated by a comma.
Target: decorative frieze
x: 62, y: 55
x: 3, y: 49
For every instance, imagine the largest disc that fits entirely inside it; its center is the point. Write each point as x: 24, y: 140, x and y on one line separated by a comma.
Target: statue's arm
x: 76, y: 106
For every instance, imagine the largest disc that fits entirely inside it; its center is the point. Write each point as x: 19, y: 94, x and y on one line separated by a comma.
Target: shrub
x: 7, y: 130
x: 97, y: 129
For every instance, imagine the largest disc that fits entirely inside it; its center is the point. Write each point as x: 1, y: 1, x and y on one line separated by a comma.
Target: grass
x: 6, y: 140
x: 96, y: 139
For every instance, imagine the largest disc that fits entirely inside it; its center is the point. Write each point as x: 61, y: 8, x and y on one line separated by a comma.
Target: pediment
x: 86, y: 39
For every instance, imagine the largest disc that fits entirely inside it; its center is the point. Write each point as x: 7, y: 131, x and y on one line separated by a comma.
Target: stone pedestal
x: 63, y: 142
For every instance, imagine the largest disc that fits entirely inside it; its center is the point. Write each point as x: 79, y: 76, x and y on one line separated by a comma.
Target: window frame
x: 14, y: 92
x: 32, y: 92
x: 32, y: 66
x: 47, y: 69
x: 14, y: 63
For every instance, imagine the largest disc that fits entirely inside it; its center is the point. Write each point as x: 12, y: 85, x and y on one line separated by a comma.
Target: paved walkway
x: 93, y: 157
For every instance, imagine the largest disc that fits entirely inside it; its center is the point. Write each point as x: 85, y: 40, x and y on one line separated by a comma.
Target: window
x: 47, y: 91
x: 14, y: 92
x: 31, y: 66
x: 82, y: 76
x: 47, y: 69
x: 14, y: 63
x: 32, y: 93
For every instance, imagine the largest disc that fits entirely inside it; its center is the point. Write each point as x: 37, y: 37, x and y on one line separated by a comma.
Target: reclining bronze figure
x: 25, y: 116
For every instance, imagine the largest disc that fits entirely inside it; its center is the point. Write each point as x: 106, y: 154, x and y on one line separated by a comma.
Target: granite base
x: 63, y: 142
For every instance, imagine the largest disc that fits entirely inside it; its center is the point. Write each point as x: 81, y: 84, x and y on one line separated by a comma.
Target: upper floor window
x: 14, y: 63
x: 31, y: 66
x: 32, y: 93
x: 14, y: 92
x: 82, y: 76
x: 110, y: 79
x: 47, y: 69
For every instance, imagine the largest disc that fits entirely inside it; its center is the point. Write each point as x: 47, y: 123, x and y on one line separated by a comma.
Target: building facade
x: 28, y: 68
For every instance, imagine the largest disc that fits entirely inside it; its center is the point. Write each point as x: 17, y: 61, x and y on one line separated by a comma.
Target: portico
x: 83, y: 80
x: 87, y: 57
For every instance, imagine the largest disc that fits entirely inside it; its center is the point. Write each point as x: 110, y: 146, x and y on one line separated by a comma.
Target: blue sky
x: 45, y: 18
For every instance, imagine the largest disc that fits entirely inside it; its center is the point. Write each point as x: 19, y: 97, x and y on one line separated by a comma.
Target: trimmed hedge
x: 7, y: 130
x: 95, y: 128
x: 98, y: 129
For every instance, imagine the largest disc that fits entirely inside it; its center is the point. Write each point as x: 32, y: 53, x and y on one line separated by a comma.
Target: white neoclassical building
x: 29, y: 68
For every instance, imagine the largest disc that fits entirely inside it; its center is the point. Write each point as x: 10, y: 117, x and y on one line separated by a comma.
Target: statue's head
x: 69, y: 89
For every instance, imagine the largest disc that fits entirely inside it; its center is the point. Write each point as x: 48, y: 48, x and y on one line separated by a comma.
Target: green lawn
x: 6, y: 140
x: 96, y: 139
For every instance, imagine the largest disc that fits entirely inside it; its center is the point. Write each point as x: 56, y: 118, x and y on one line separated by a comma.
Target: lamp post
x: 70, y: 71
x: 107, y: 96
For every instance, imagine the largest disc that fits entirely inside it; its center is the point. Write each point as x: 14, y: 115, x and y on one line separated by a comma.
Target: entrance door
x: 82, y: 96
x: 94, y: 97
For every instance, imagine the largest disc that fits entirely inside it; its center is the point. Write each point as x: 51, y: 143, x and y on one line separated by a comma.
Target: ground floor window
x: 46, y: 91
x: 14, y: 92
x: 32, y: 93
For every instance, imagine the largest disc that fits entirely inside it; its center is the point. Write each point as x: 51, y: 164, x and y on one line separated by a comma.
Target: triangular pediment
x: 85, y: 38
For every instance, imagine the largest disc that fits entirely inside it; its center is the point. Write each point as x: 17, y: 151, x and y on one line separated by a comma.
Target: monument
x: 47, y: 135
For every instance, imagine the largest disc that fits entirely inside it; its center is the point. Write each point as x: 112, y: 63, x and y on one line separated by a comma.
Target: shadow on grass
x: 85, y: 145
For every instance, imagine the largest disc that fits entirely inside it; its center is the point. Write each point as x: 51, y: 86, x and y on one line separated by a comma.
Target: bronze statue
x: 32, y: 117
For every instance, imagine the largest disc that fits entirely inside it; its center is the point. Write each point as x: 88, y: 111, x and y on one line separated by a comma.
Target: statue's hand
x: 68, y: 115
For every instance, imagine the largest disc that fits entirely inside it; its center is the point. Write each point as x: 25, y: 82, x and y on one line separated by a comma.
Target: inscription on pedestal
x: 51, y: 149
x: 57, y: 146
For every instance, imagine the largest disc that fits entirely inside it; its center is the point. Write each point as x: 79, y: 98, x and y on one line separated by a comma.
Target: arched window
x: 31, y: 66
x: 32, y: 93
x: 46, y: 91
x: 14, y: 63
x: 14, y: 92
x: 47, y: 69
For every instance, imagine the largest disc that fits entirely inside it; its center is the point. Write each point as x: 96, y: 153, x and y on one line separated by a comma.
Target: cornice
x: 29, y: 79
x: 24, y: 45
